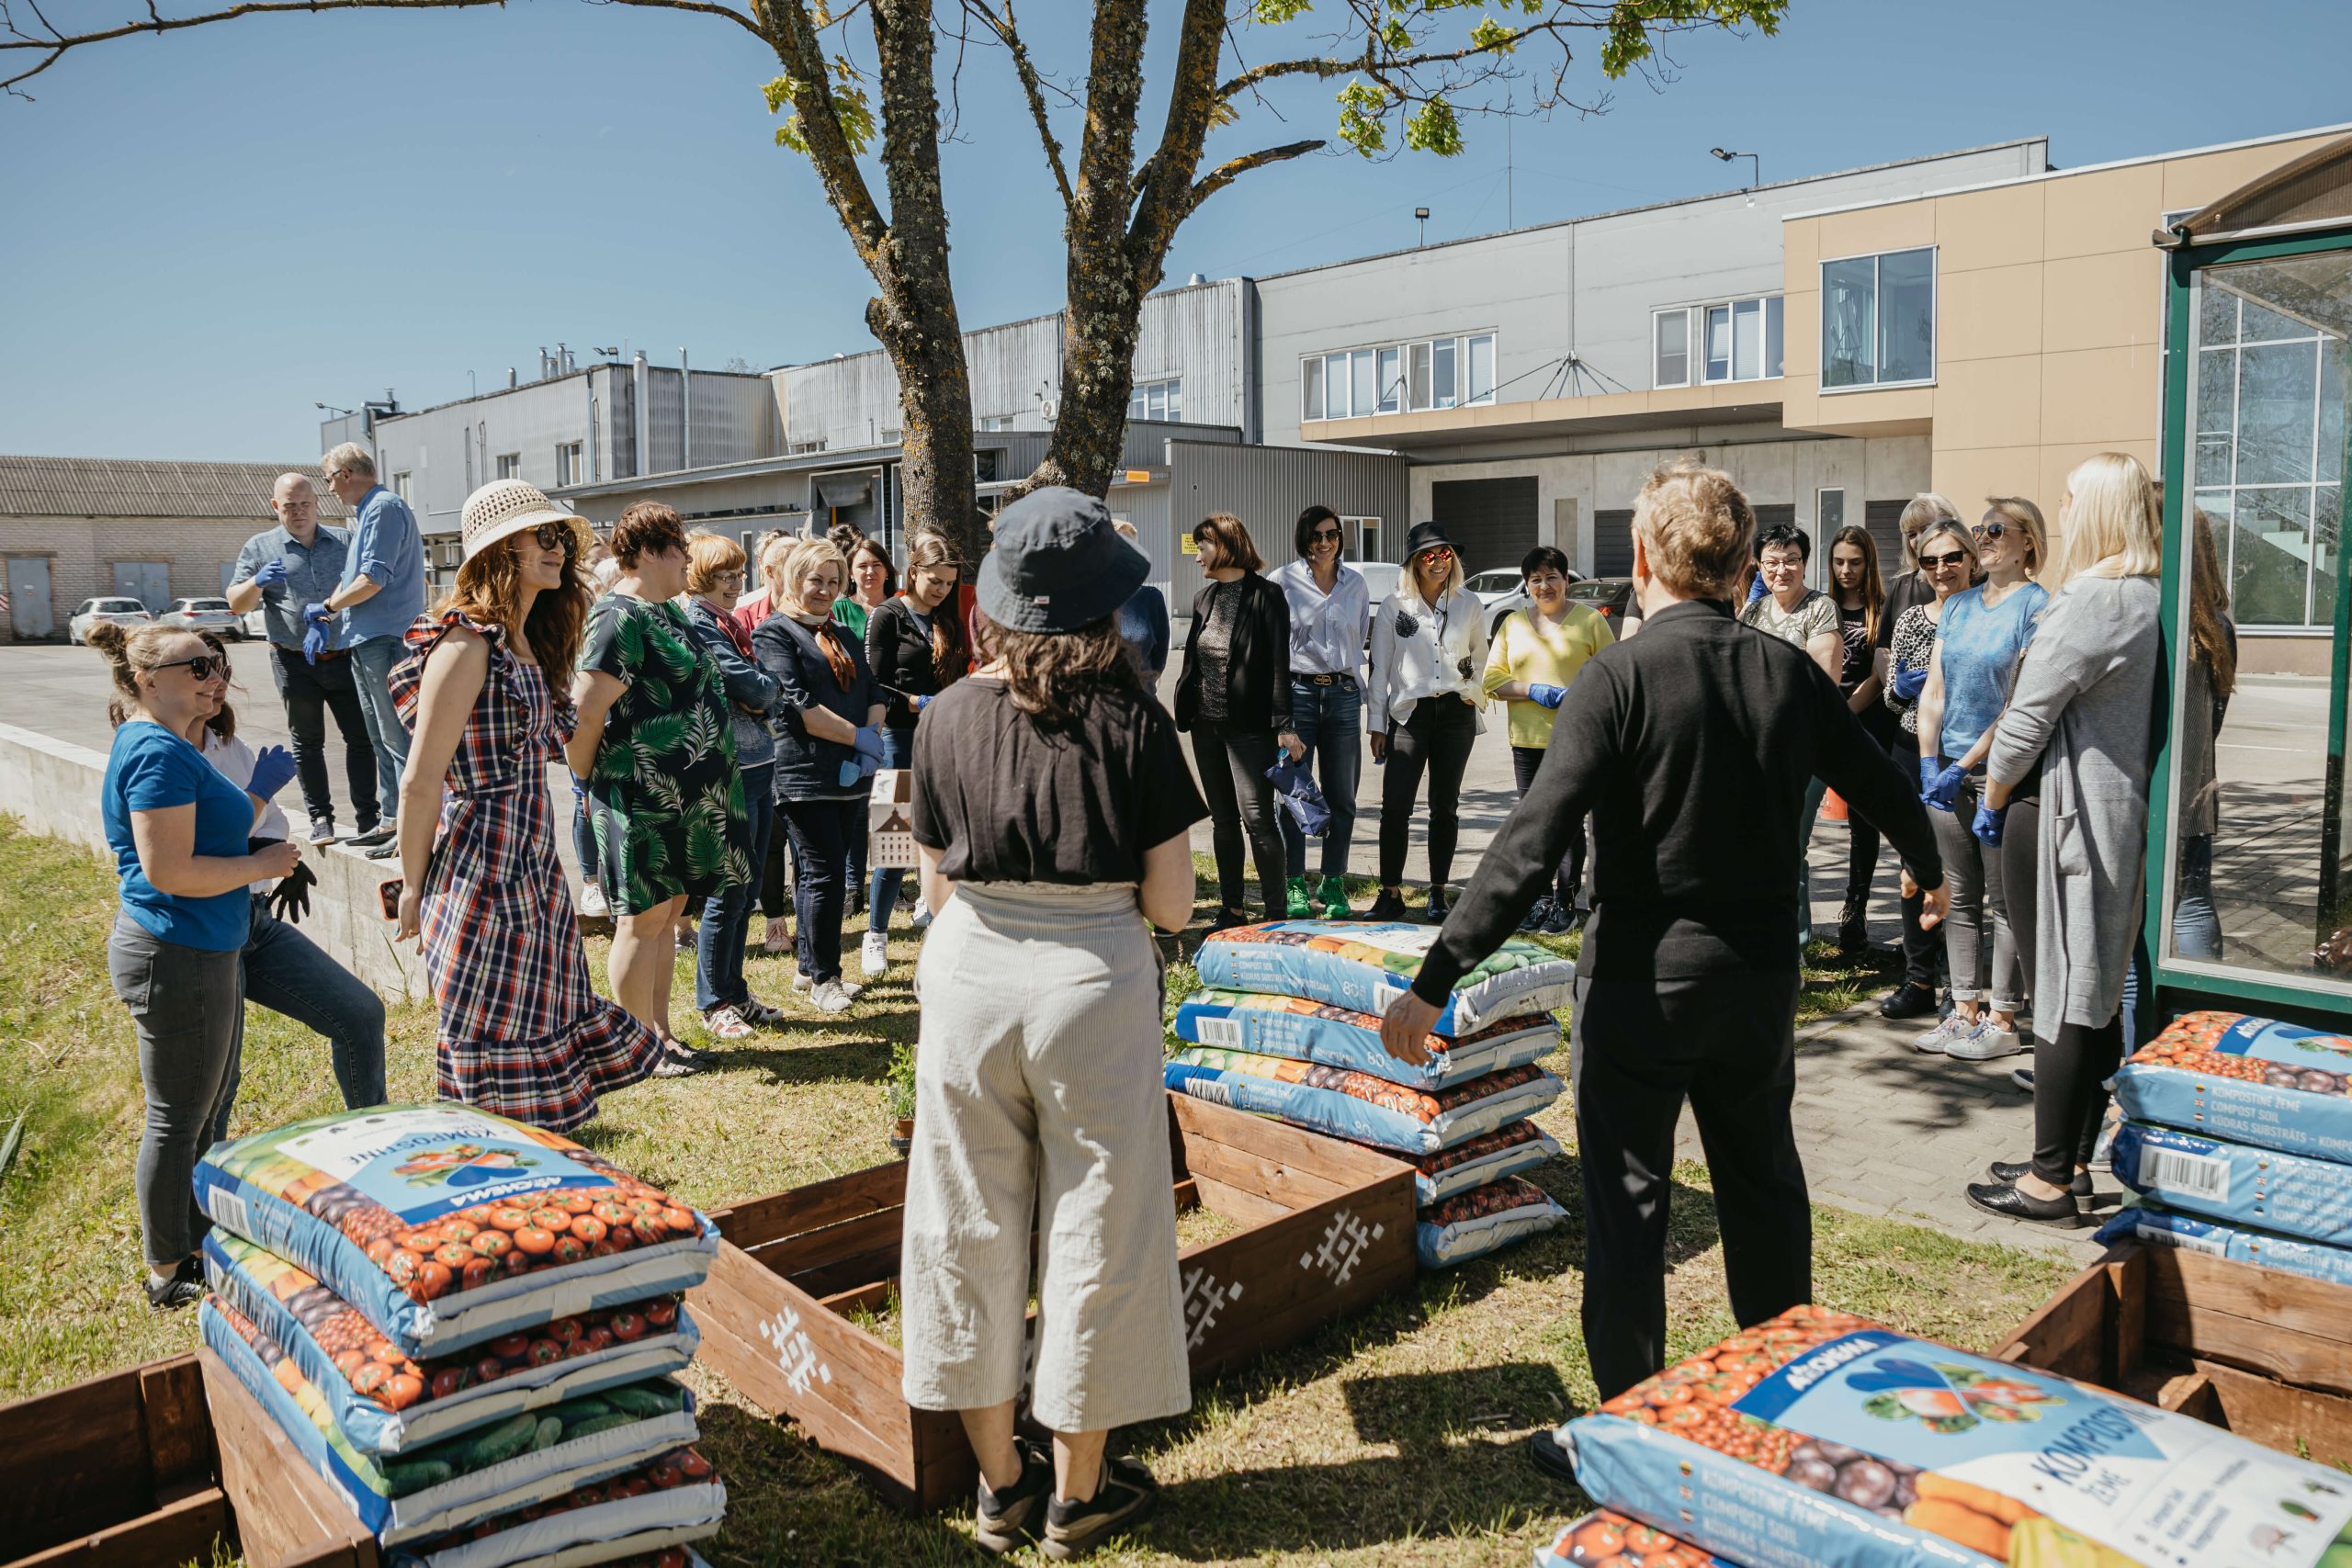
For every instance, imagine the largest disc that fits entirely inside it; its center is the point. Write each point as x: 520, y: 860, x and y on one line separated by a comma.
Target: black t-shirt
x: 1907, y: 590
x: 1005, y: 799
x: 1854, y: 629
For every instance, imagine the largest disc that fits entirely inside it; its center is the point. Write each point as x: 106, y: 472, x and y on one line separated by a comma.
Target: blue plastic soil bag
x: 2291, y: 1194
x: 1294, y: 787
x: 1483, y: 1220
x: 2251, y: 1081
x: 1604, y: 1540
x: 1489, y: 1156
x: 1340, y: 1037
x: 2160, y: 1227
x: 1365, y: 966
x: 1359, y: 1106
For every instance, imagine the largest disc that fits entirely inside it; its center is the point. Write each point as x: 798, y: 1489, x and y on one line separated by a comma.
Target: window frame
x: 1658, y: 383
x: 1695, y: 314
x: 1404, y: 375
x: 1877, y: 320
x: 1169, y: 392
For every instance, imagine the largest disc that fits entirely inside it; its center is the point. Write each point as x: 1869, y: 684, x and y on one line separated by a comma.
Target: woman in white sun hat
x: 482, y: 691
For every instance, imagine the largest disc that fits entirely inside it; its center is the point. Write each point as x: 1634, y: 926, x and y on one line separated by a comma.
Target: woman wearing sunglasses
x: 1330, y: 617
x: 177, y: 830
x: 1947, y: 554
x: 1988, y: 937
x: 1428, y: 656
x: 521, y: 1031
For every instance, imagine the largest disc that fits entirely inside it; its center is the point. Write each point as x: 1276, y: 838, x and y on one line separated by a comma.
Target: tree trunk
x: 935, y: 472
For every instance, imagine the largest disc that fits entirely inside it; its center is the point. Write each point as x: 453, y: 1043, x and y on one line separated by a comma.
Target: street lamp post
x: 1755, y: 169
x: 1422, y: 215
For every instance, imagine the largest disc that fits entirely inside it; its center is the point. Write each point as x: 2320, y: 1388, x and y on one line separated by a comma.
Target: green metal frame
x: 2181, y: 987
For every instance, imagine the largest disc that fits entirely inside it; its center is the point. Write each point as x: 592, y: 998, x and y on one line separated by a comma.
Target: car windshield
x: 111, y: 604
x: 1597, y: 588
x: 208, y: 604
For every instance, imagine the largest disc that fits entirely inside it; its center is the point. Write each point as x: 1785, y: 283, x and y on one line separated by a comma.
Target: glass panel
x: 2217, y: 396
x: 2258, y: 325
x: 1746, y: 340
x: 2327, y: 526
x: 1335, y: 385
x: 1158, y: 401
x: 1482, y: 368
x: 1849, y: 322
x: 1673, y: 348
x: 2278, y: 392
x: 1441, y: 373
x: 1718, y: 343
x: 1176, y: 400
x: 2331, y: 410
x: 1390, y: 391
x: 1313, y: 376
x: 1363, y: 391
x: 1139, y: 403
x: 2270, y: 556
x: 2217, y: 314
x: 1906, y: 337
x: 1773, y: 336
x: 1417, y: 355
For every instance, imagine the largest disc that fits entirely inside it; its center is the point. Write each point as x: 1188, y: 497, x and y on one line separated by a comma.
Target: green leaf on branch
x: 1432, y: 128
x: 1630, y: 21
x: 1275, y: 13
x: 1492, y: 36
x: 852, y: 110
x: 1363, y: 110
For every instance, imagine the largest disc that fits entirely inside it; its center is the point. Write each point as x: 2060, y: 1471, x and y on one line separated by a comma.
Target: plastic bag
x: 2161, y: 1227
x: 1365, y: 967
x: 1359, y: 1106
x: 1340, y: 1037
x: 1483, y: 1220
x: 1489, y: 1156
x: 657, y: 1507
x: 2251, y: 1081
x: 2291, y: 1194
x: 1604, y: 1540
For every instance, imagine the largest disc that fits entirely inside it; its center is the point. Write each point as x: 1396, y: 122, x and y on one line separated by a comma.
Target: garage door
x: 1491, y: 522
x: 1613, y: 543
x: 1884, y: 520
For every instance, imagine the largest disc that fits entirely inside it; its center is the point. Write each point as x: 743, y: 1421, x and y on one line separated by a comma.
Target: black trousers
x: 2069, y: 1102
x: 1922, y: 950
x: 1437, y: 739
x: 1240, y: 798
x: 309, y: 691
x: 776, y: 887
x: 1569, y: 877
x: 1640, y: 1048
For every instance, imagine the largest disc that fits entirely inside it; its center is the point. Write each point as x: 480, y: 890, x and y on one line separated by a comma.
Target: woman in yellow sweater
x: 1532, y: 660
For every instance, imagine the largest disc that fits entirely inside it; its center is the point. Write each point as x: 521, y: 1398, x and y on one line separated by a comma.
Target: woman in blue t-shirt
x: 1979, y: 642
x: 177, y: 830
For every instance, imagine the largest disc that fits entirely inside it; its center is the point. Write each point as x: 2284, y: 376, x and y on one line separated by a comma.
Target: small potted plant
x: 899, y: 1098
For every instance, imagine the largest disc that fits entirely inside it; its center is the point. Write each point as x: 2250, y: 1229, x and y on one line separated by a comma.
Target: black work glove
x: 290, y: 899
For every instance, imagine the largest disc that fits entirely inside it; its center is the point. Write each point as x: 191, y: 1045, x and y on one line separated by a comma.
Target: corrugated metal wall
x: 1267, y: 488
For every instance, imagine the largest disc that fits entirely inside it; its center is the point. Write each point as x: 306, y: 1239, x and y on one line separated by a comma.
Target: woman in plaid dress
x: 522, y: 1033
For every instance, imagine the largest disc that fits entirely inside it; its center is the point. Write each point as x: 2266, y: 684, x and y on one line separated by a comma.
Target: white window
x: 1435, y: 373
x: 1391, y: 387
x: 399, y: 485
x: 1310, y: 381
x: 569, y: 468
x: 1877, y: 320
x: 1156, y: 401
x: 1443, y: 393
x: 1418, y: 389
x: 510, y: 464
x: 1000, y: 422
x: 1738, y: 340
x: 1482, y: 369
x: 1671, y: 329
x: 1365, y: 532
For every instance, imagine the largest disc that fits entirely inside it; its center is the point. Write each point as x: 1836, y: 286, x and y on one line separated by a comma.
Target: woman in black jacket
x: 1233, y: 698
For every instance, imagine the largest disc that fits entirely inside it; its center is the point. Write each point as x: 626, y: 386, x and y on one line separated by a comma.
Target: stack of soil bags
x: 1818, y: 1437
x: 2238, y: 1138
x: 468, y: 1326
x: 1287, y: 1025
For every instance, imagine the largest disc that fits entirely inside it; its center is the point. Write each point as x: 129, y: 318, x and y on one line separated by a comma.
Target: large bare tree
x: 860, y: 91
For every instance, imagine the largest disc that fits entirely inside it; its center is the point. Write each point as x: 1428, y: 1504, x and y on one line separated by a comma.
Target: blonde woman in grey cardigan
x: 2085, y: 704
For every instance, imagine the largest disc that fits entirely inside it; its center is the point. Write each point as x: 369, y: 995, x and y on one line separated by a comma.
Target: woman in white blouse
x: 1429, y: 647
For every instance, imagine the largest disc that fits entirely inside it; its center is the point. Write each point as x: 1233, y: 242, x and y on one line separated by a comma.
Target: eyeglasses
x: 1990, y: 530
x: 1783, y: 563
x: 1937, y: 563
x: 204, y: 666
x: 553, y: 535
x: 1322, y: 536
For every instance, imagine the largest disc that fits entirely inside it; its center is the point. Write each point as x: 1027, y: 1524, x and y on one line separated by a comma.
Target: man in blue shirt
x: 381, y: 592
x: 300, y: 562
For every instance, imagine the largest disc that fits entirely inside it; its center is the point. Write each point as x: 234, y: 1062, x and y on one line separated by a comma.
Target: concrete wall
x: 82, y: 553
x: 52, y: 786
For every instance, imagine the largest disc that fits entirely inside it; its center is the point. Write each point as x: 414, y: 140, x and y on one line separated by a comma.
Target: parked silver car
x: 204, y: 615
x: 125, y: 612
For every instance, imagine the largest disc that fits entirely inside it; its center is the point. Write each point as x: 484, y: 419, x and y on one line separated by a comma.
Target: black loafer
x: 2002, y: 1199
x: 1548, y: 1455
x: 1907, y: 1001
x: 2007, y: 1172
x: 1437, y: 906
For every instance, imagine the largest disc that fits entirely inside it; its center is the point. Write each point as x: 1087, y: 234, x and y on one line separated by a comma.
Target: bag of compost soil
x: 447, y: 1226
x: 2291, y: 1194
x: 1337, y: 1037
x: 1489, y: 1156
x: 515, y: 1463
x: 1356, y: 1105
x: 644, y: 1514
x: 1363, y: 967
x: 1817, y: 1437
x: 1483, y: 1220
x: 2160, y: 1227
x: 385, y: 1403
x: 1604, y: 1540
x: 2251, y: 1081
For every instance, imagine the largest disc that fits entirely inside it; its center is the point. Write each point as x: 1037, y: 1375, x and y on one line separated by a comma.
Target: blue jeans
x: 371, y: 668
x: 820, y: 831
x: 1813, y: 790
x: 287, y: 972
x: 727, y: 917
x: 2196, y: 924
x: 882, y: 895
x: 1330, y: 720
x: 583, y: 830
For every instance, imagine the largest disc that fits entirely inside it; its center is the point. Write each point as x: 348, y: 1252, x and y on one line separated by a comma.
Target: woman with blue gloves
x: 829, y: 713
x: 1947, y: 555
x: 178, y: 832
x: 1980, y: 638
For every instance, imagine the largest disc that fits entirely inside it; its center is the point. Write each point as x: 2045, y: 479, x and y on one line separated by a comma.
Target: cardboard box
x: 890, y: 817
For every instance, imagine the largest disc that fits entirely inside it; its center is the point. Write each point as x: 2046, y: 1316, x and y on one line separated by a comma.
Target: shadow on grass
x: 835, y: 1061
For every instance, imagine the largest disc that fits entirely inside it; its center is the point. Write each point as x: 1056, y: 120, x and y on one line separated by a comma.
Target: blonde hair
x: 1408, y: 584
x: 1921, y: 511
x: 128, y: 650
x: 2108, y: 522
x: 350, y: 456
x: 793, y: 561
x: 708, y: 556
x: 1697, y: 528
x: 2026, y: 517
x: 1953, y: 528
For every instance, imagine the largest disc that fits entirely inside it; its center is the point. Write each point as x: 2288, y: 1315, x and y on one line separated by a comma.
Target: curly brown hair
x: 1047, y: 672
x: 490, y: 586
x: 648, y: 526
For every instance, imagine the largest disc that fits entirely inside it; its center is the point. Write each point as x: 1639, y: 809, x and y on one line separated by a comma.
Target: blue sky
x: 205, y: 233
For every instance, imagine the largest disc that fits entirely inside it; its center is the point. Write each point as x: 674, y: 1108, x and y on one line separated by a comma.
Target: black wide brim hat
x: 1057, y: 564
x: 1426, y: 537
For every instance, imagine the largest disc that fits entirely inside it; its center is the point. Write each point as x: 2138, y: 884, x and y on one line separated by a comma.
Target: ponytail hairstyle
x: 931, y: 553
x: 127, y: 652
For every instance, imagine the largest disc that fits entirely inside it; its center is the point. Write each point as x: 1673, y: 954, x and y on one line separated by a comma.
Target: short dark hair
x: 647, y: 525
x: 1305, y: 535
x: 1231, y: 537
x: 1787, y: 534
x: 1540, y: 558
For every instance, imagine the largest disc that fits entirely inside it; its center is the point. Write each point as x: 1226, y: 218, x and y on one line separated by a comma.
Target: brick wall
x: 82, y: 553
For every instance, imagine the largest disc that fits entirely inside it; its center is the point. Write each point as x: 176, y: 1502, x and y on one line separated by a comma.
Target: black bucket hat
x: 1057, y: 564
x: 1426, y: 537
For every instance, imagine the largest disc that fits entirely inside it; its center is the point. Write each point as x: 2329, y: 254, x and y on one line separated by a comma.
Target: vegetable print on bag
x: 2253, y: 1080
x: 1366, y: 967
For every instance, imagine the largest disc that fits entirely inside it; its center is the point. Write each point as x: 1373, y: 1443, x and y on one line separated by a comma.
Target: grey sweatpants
x: 1038, y: 1097
x: 189, y: 1006
x: 1989, y: 935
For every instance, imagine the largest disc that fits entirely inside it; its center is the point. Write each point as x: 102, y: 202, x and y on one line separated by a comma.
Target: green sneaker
x: 1334, y: 898
x: 1296, y: 908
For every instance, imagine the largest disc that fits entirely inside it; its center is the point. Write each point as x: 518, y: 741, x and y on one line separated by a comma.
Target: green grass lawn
x: 1390, y: 1438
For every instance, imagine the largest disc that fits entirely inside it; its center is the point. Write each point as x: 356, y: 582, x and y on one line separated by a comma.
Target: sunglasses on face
x: 1940, y: 563
x: 554, y: 535
x: 1990, y: 530
x: 204, y: 666
x: 1324, y: 536
x: 1438, y: 552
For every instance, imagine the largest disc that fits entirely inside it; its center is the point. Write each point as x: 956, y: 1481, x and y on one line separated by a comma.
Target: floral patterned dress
x: 665, y: 798
x: 522, y: 1031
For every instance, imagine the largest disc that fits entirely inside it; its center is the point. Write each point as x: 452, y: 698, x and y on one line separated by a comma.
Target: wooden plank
x: 2197, y: 1329
x: 1351, y: 1165
x: 1251, y: 1171
x: 1188, y: 1194
x: 861, y: 1298
x: 183, y: 1531
x: 2126, y: 1314
x: 1279, y: 1329
x: 885, y: 1461
x: 288, y: 1515
x: 757, y: 1221
x: 1236, y: 1290
x: 2284, y: 1325
x: 2265, y: 1411
x: 1243, y: 1208
x: 946, y: 1468
x: 809, y: 1249
x: 2066, y: 1333
x: 178, y: 1423
x: 76, y: 1462
x: 874, y: 1266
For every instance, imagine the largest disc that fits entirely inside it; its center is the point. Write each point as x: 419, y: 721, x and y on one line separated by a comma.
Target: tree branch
x: 1233, y: 169
x: 1031, y: 86
x: 1372, y: 64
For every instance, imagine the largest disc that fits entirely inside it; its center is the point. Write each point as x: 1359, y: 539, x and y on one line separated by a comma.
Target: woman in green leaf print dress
x: 658, y: 749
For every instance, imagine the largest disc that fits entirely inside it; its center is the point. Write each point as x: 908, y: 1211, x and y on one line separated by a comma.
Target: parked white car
x: 1500, y: 592
x: 204, y: 615
x: 256, y: 628
x: 123, y: 612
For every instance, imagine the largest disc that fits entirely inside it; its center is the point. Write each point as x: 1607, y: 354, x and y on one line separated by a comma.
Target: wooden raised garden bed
x: 149, y: 1466
x: 1325, y: 1226
x: 2265, y: 1354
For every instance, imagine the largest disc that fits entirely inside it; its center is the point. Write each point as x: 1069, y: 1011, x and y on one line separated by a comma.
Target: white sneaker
x: 1937, y: 1041
x: 875, y: 957
x: 922, y: 917
x: 591, y: 903
x: 1987, y: 1042
x: 2022, y: 1078
x: 832, y: 996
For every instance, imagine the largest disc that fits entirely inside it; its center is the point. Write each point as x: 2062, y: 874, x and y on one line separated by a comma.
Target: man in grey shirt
x: 283, y: 569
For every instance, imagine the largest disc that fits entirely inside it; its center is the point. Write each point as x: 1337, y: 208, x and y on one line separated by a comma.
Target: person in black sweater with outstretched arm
x: 1691, y: 746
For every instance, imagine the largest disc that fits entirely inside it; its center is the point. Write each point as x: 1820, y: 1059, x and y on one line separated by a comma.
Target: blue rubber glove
x: 1928, y: 768
x: 919, y: 702
x: 272, y: 768
x: 271, y: 574
x: 315, y: 640
x: 316, y: 611
x: 1944, y: 787
x: 1545, y: 696
x: 1989, y: 825
x: 858, y: 770
x: 868, y: 744
x: 1910, y: 683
